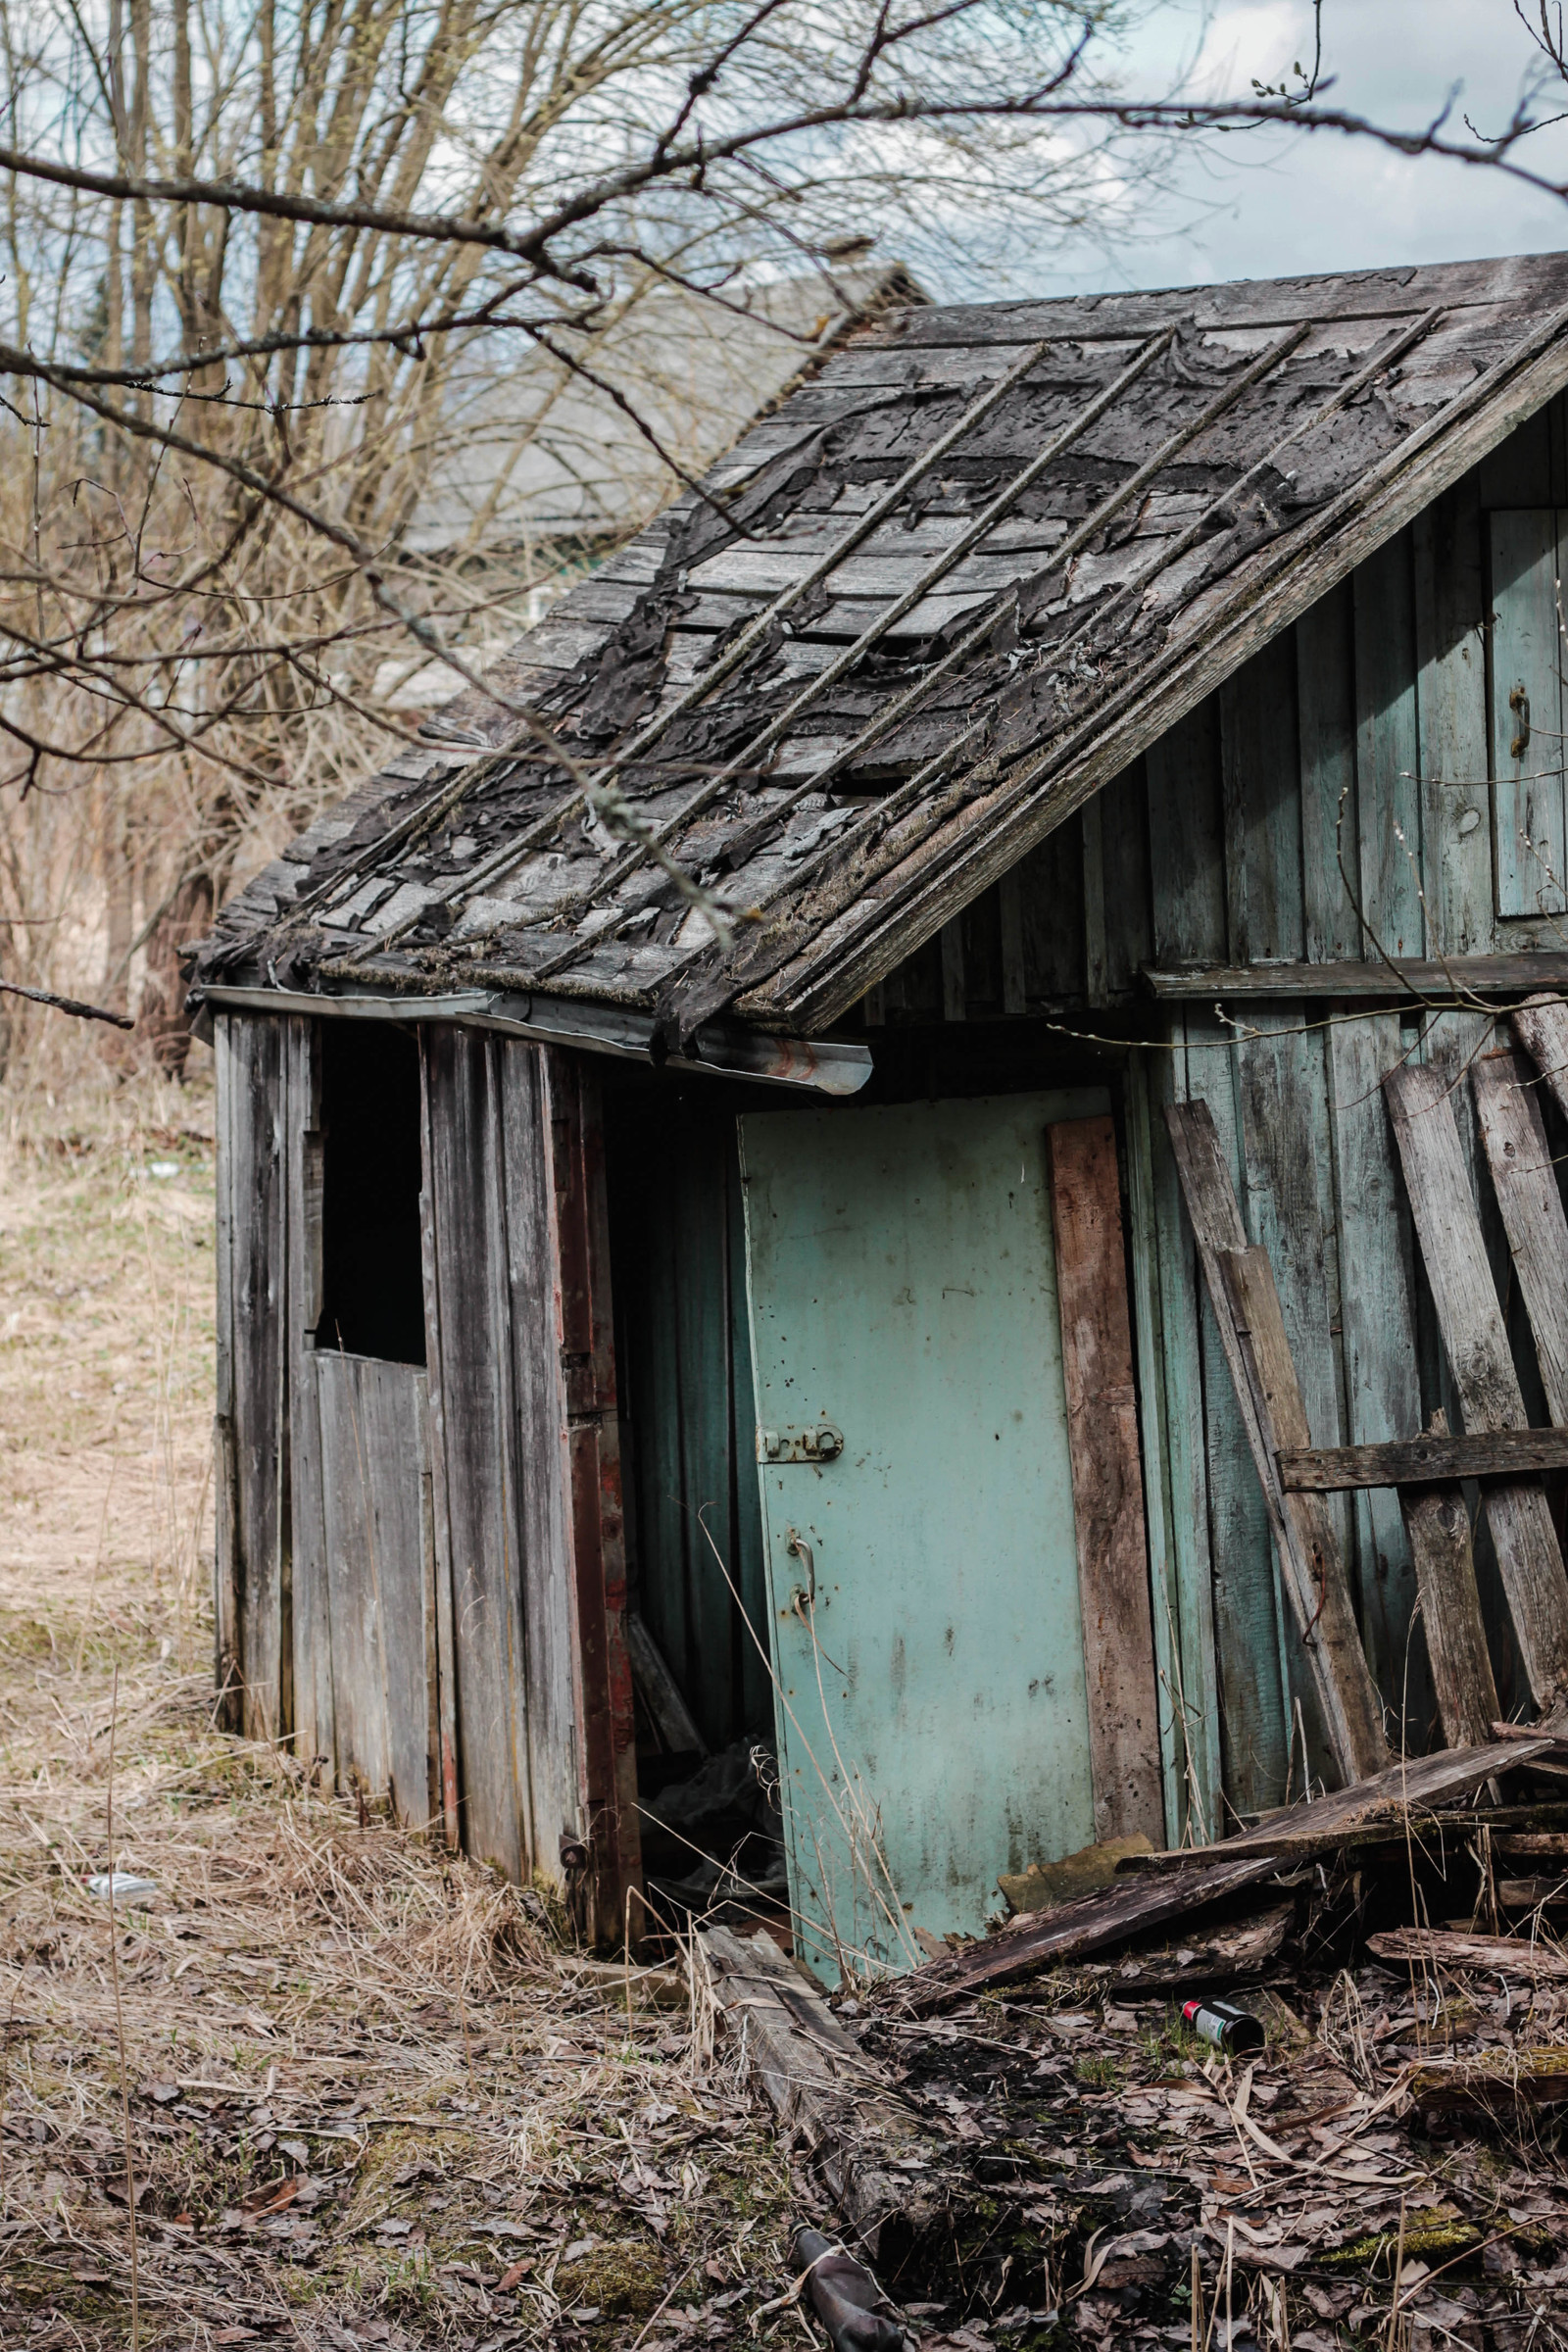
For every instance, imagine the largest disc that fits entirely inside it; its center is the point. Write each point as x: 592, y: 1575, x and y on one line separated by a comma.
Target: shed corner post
x: 606, y: 1749
x: 226, y: 1464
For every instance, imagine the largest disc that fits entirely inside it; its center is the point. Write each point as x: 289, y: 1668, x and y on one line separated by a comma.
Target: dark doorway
x: 372, y: 1287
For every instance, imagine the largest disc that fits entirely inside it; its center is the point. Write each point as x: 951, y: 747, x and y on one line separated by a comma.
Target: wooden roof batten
x: 829, y: 909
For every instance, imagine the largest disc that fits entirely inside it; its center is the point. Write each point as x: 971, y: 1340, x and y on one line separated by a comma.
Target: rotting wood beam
x: 891, y: 2179
x: 1240, y: 1287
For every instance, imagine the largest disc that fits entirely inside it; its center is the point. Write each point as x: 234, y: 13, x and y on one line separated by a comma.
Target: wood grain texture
x: 1264, y: 815
x: 1153, y: 1425
x: 1034, y: 1941
x: 1318, y: 1587
x: 1249, y: 1609
x: 1462, y: 1680
x: 1379, y: 1348
x: 1524, y: 1179
x: 476, y: 1486
x: 1451, y: 615
x: 448, y: 1793
x: 1325, y: 693
x: 1106, y: 1477
x: 258, y: 1253
x: 1388, y: 750
x: 1433, y: 1460
x: 1527, y: 711
x: 1540, y: 1025
x: 893, y: 2181
x: 606, y: 1729
x: 1460, y: 976
x: 1187, y: 841
x: 374, y: 1425
x: 1476, y: 1342
x: 225, y: 1458
x: 314, y: 1726
x: 1245, y: 1305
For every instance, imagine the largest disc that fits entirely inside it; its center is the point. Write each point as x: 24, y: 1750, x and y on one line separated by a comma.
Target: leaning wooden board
x: 1448, y: 1229
x: 1245, y: 1304
x: 1095, y: 1920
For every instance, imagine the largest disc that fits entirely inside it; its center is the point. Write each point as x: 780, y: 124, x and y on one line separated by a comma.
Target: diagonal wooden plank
x: 1513, y: 1135
x: 1325, y: 1617
x: 1312, y: 1569
x: 1540, y: 1025
x: 1433, y: 1460
x: 1439, y: 1528
x: 1108, y: 1486
x: 1448, y: 1229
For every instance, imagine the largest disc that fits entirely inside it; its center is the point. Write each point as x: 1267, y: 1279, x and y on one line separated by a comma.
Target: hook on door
x: 796, y: 1545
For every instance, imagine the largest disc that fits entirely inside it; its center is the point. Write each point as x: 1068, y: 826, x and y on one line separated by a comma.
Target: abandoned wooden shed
x: 931, y: 1166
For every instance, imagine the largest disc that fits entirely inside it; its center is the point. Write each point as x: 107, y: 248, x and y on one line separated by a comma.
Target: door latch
x: 796, y: 1545
x: 823, y: 1441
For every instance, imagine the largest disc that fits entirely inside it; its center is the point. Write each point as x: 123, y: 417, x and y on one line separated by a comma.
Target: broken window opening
x: 372, y: 1285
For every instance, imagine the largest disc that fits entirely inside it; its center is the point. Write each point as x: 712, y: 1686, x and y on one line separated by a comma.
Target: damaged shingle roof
x: 1114, y: 502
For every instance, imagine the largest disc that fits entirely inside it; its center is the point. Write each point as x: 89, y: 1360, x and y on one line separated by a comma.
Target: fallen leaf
x: 511, y: 2278
x: 273, y: 2196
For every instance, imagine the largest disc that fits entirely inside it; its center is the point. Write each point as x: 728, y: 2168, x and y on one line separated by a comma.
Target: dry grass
x: 371, y: 2098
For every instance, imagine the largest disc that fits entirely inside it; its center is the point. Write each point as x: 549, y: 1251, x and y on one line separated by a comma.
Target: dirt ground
x: 367, y: 2096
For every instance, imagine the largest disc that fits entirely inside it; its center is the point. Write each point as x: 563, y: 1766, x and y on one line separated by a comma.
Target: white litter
x: 123, y: 1885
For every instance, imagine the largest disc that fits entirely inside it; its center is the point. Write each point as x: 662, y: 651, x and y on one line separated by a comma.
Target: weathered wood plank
x: 226, y: 1461
x: 1153, y: 1418
x: 1106, y: 1477
x: 446, y: 1800
x: 1524, y: 1178
x: 1462, y: 1679
x: 1245, y: 1305
x: 893, y: 2182
x: 1462, y: 976
x: 1096, y: 969
x: 1325, y: 690
x: 1264, y: 816
x: 1194, y: 1692
x: 1318, y: 1587
x: 1432, y: 1459
x: 1254, y: 1705
x: 374, y: 1424
x: 1378, y: 1347
x: 1453, y: 1253
x: 313, y: 1731
x: 1527, y: 713
x: 471, y: 1374
x: 1540, y: 1025
x: 1388, y: 750
x: 1033, y: 1941
x: 605, y: 1732
x: 1451, y: 696
x: 257, y: 1191
x: 1187, y: 841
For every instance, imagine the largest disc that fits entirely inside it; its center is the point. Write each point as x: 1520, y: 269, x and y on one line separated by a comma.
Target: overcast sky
x: 1272, y: 203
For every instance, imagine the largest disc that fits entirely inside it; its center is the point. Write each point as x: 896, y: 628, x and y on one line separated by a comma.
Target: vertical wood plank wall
x: 1333, y: 801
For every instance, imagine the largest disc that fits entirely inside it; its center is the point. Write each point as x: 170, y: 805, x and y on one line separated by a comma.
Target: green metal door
x: 922, y: 1577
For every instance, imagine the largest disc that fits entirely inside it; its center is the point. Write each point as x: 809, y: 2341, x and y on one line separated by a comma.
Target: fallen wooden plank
x: 1312, y: 1568
x: 1150, y: 1898
x: 889, y: 2177
x: 1513, y: 1135
x: 1448, y: 1229
x: 1107, y: 1482
x: 1241, y: 1947
x: 1438, y: 1457
x: 1499, y: 1955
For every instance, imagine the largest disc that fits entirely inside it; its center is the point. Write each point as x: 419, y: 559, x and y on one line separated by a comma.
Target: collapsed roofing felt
x: 956, y: 583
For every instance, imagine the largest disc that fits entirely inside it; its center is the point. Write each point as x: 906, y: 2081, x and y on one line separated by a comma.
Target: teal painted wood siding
x: 1359, y: 788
